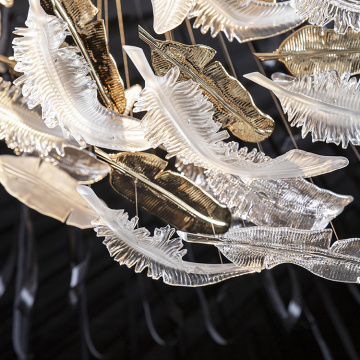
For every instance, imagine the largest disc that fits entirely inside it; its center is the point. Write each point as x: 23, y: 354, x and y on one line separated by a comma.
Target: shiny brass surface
x: 90, y: 37
x: 233, y: 106
x: 166, y: 194
x: 309, y: 50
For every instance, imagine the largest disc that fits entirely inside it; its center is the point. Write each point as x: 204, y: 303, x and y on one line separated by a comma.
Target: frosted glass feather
x: 244, y: 21
x: 344, y: 13
x: 168, y: 14
x: 267, y: 202
x: 180, y: 118
x: 159, y: 253
x: 57, y: 78
x: 324, y: 104
x: 23, y: 129
x: 267, y: 247
x: 45, y: 189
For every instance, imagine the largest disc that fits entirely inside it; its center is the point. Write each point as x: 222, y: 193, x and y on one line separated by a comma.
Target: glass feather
x: 311, y: 50
x: 324, y: 104
x: 267, y: 202
x: 168, y: 14
x: 181, y: 118
x: 57, y: 78
x: 90, y: 37
x: 344, y: 13
x: 266, y: 247
x: 23, y: 129
x: 46, y: 189
x: 244, y: 21
x: 159, y: 253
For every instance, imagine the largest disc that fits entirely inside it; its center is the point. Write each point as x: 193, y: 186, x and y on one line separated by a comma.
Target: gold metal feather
x: 166, y: 194
x: 90, y: 37
x: 309, y: 50
x: 233, y: 106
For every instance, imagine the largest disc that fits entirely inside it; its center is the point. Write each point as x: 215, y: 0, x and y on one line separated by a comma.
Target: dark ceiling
x: 285, y: 313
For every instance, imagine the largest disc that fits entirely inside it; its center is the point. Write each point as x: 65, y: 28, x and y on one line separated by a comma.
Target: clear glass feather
x: 267, y: 202
x: 344, y: 13
x: 46, y: 189
x: 168, y: 14
x: 325, y: 104
x: 244, y: 20
x: 23, y: 129
x: 266, y: 247
x: 57, y: 78
x: 162, y: 255
x: 180, y: 118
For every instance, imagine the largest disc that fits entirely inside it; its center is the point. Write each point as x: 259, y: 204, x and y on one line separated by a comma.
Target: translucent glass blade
x: 181, y: 118
x: 267, y: 247
x: 161, y: 254
x: 325, y: 104
x: 57, y: 78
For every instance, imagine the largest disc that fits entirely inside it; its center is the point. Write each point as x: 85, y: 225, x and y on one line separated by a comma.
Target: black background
x: 134, y: 317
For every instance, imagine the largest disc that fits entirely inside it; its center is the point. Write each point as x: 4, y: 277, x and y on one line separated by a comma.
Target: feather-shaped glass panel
x: 244, y: 21
x: 325, y: 104
x: 168, y: 14
x: 311, y: 50
x: 344, y: 13
x: 179, y: 117
x: 165, y: 193
x: 46, y: 189
x: 90, y: 37
x: 267, y: 202
x: 234, y: 108
x: 267, y: 247
x: 161, y: 254
x: 23, y: 129
x: 57, y: 79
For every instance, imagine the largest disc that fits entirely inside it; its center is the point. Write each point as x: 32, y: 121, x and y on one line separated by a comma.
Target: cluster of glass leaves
x: 54, y: 112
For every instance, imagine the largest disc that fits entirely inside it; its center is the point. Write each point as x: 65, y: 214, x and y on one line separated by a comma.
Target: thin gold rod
x: 122, y: 39
x: 190, y: 31
x: 227, y: 55
x: 136, y: 203
x: 9, y: 62
x: 106, y: 8
x: 355, y: 151
x: 99, y: 7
